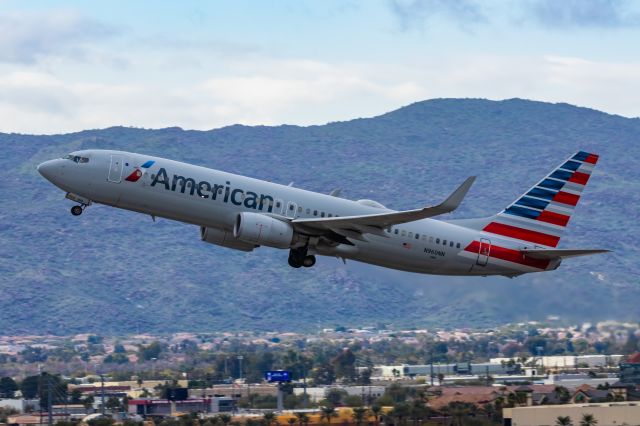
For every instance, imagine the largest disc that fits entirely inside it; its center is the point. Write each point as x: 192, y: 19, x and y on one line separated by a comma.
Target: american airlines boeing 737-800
x: 242, y: 213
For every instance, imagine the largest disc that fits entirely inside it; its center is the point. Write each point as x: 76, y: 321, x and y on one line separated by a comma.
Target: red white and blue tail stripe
x: 542, y: 213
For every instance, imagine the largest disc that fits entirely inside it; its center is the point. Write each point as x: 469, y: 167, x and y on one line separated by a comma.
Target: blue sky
x: 67, y: 66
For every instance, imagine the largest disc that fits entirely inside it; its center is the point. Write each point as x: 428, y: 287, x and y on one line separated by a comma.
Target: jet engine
x: 224, y: 239
x: 256, y: 228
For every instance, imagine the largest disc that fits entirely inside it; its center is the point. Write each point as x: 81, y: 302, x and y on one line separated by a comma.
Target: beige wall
x: 609, y: 414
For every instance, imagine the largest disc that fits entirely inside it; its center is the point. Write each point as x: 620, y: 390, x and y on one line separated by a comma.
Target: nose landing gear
x: 77, y: 210
x: 298, y: 257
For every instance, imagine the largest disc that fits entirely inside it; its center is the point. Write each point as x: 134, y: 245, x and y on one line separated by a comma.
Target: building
x: 34, y: 419
x: 21, y: 405
x: 559, y: 362
x: 586, y: 393
x: 316, y: 394
x: 630, y: 370
x: 614, y: 413
x: 235, y: 391
x: 165, y: 408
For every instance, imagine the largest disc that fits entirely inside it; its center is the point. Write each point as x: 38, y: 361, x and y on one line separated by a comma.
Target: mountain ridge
x: 62, y: 274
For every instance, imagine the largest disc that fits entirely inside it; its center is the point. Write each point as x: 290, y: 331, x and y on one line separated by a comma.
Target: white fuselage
x: 213, y: 199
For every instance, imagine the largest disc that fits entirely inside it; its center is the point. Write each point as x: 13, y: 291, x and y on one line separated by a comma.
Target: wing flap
x: 560, y: 253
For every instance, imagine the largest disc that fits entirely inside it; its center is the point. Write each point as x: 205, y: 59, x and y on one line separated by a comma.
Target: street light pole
x: 240, y: 358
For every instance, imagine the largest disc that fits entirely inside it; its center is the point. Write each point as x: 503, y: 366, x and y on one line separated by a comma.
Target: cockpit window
x: 76, y: 158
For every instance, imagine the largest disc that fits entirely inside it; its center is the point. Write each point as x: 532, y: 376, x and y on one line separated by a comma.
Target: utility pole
x: 40, y: 390
x: 50, y: 403
x: 240, y: 358
x: 102, y: 394
x: 304, y: 381
x: 431, y: 364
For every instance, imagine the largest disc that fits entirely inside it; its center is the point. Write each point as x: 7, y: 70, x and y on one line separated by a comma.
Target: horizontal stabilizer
x: 560, y: 254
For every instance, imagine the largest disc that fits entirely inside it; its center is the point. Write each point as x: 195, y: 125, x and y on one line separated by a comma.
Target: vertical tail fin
x: 541, y: 214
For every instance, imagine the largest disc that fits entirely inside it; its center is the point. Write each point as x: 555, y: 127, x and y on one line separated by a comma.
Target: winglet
x: 454, y: 200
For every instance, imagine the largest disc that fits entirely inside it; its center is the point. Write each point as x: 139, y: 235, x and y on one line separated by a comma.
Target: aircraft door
x: 115, y: 169
x: 483, y: 252
x: 292, y: 209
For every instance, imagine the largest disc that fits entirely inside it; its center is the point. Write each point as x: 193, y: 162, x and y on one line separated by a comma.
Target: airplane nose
x: 48, y: 169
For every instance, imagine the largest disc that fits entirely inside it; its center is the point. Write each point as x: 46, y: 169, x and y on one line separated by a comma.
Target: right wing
x: 355, y: 226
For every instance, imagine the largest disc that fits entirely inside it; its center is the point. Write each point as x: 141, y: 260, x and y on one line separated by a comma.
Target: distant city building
x: 316, y: 394
x: 164, y: 407
x: 20, y: 405
x: 630, y: 370
x: 235, y: 391
x: 568, y: 361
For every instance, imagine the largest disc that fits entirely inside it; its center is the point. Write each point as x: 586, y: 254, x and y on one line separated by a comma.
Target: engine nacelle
x: 224, y: 239
x: 256, y: 228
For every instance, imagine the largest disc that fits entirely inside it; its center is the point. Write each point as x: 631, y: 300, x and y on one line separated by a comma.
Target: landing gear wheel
x: 297, y: 257
x: 309, y: 261
x: 76, y: 210
x: 294, y: 263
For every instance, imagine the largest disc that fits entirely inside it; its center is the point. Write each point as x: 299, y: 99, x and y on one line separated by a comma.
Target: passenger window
x: 308, y: 211
x: 291, y: 207
x: 437, y: 240
x: 410, y: 234
x: 404, y: 233
x: 424, y: 238
x: 430, y: 240
x: 417, y: 236
x: 444, y: 242
x: 278, y: 204
x: 458, y: 245
x: 299, y: 209
x: 330, y: 215
x: 315, y: 212
x: 450, y: 243
x: 388, y: 229
x: 321, y: 214
x: 396, y: 231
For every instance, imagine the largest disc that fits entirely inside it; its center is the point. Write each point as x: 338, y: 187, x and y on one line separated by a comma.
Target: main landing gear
x: 298, y: 257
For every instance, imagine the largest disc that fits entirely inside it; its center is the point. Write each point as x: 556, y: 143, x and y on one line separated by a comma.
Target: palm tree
x: 564, y: 421
x: 359, y: 414
x: 460, y: 410
x: 224, y: 419
x: 327, y: 413
x: 419, y: 411
x: 588, y: 420
x: 376, y: 410
x: 400, y: 412
x: 269, y: 418
x: 303, y: 419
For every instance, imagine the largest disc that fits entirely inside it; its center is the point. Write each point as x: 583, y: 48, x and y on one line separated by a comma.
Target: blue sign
x: 278, y: 376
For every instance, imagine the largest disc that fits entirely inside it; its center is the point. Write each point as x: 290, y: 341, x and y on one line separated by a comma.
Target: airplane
x: 243, y: 213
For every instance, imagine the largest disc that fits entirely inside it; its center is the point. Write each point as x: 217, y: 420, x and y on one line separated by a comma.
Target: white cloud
x: 305, y: 92
x: 29, y: 37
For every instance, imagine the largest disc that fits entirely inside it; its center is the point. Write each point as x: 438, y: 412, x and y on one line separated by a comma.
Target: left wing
x: 354, y: 226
